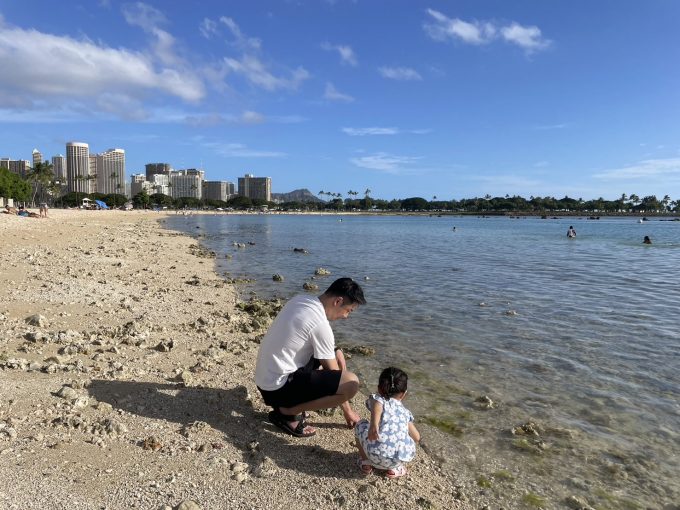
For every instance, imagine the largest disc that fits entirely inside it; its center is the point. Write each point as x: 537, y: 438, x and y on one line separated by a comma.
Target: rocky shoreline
x: 126, y: 382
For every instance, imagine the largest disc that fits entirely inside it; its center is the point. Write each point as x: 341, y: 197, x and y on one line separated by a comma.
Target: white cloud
x: 549, y: 127
x: 48, y: 69
x: 209, y: 119
x: 150, y: 19
x: 370, y: 131
x: 250, y: 117
x: 239, y: 150
x: 347, y: 55
x: 253, y: 70
x: 666, y: 168
x: 332, y: 94
x: 384, y: 162
x: 143, y: 15
x: 206, y: 120
x: 208, y: 28
x: 381, y: 131
x: 529, y: 38
x: 241, y: 41
x: 400, y: 73
x: 443, y: 28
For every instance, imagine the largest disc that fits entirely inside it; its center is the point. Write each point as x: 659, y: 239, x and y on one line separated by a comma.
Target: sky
x: 453, y: 99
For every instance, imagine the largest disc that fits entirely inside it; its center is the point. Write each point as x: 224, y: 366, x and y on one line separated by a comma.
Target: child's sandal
x: 365, y: 466
x: 396, y: 472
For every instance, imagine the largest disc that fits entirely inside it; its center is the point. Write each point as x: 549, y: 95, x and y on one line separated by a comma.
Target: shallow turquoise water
x: 578, y: 334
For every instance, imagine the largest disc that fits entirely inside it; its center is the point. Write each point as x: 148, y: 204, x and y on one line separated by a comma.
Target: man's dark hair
x: 347, y: 289
x: 392, y: 381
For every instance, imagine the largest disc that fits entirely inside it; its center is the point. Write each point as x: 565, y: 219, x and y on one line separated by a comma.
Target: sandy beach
x: 126, y: 382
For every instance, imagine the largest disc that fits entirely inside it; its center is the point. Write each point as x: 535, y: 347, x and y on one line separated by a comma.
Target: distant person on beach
x: 647, y: 240
x: 43, y: 210
x: 390, y: 438
x: 571, y: 233
x: 298, y: 343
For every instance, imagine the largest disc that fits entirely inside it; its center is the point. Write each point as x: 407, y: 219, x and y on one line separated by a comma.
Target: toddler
x: 390, y: 438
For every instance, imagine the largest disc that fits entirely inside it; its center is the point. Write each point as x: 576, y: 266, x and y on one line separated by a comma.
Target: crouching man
x: 298, y: 368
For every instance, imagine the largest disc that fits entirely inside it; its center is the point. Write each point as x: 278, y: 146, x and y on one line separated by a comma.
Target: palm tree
x: 40, y: 176
x: 113, y: 177
x: 89, y: 179
x: 666, y: 200
x: 634, y: 199
x: 79, y: 180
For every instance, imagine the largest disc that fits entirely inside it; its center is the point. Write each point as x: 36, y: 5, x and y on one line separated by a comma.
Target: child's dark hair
x: 392, y: 381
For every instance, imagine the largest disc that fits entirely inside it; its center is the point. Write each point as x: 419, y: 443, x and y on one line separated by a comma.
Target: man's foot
x: 296, y: 427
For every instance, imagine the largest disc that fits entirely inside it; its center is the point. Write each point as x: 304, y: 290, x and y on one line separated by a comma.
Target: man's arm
x: 351, y: 416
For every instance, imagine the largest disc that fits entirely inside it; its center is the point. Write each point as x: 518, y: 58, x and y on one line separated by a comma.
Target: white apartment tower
x: 37, y: 157
x: 187, y: 183
x: 111, y: 172
x: 59, y: 167
x: 77, y: 167
x: 92, y: 178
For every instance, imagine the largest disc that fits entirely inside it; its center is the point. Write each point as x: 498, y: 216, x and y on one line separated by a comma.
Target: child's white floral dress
x: 394, y: 445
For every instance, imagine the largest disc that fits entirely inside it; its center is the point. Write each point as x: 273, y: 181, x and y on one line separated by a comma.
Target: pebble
x: 188, y: 504
x: 67, y: 393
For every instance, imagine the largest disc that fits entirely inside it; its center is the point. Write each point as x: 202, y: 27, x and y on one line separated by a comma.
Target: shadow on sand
x: 231, y: 413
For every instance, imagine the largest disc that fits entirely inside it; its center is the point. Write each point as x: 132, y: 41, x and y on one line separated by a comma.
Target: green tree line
x: 40, y: 184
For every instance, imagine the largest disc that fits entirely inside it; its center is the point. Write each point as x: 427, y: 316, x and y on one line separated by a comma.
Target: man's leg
x: 347, y: 388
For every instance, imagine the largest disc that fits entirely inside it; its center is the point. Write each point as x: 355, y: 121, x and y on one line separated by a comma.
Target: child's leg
x: 362, y: 453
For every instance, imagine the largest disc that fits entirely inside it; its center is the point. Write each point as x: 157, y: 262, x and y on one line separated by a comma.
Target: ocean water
x: 580, y: 336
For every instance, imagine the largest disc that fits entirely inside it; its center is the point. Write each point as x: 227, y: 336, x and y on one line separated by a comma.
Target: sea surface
x: 579, y: 336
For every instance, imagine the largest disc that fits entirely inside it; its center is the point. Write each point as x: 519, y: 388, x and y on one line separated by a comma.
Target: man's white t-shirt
x: 299, y: 332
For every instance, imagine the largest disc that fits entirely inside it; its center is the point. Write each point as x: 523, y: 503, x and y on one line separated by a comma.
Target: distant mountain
x: 299, y: 195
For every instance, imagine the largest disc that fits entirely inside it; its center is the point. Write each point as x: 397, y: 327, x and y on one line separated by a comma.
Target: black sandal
x: 281, y: 421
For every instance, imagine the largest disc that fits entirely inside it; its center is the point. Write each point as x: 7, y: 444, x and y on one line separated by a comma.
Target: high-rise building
x: 160, y: 183
x: 255, y: 187
x: 137, y: 184
x: 157, y: 168
x: 4, y: 163
x: 111, y: 172
x: 77, y: 167
x: 186, y: 183
x: 218, y: 190
x: 37, y: 157
x: 59, y: 167
x: 92, y: 178
x: 21, y: 167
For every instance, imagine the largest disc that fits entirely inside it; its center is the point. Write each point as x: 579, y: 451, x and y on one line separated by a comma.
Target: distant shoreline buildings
x: 82, y: 172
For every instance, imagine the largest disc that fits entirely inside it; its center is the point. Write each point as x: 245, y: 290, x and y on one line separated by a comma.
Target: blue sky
x: 406, y: 98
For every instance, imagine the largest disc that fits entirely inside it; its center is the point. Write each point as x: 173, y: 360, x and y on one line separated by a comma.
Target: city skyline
x: 453, y: 100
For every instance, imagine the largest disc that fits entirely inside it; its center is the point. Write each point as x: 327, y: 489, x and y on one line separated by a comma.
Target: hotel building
x: 111, y: 172
x: 78, y: 167
x: 218, y: 190
x: 59, y: 167
x: 187, y: 183
x: 255, y: 187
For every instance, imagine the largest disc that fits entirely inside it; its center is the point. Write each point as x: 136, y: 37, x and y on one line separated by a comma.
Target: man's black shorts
x: 304, y: 385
